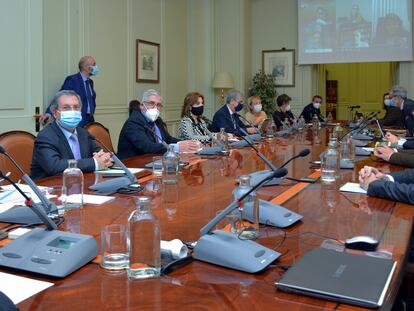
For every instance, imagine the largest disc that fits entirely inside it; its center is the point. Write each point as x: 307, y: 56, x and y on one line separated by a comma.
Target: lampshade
x: 222, y: 80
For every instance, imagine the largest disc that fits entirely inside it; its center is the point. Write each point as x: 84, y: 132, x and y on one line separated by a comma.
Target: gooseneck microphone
x: 24, y: 215
x: 301, y: 154
x: 50, y: 225
x: 354, y: 107
x: 124, y: 185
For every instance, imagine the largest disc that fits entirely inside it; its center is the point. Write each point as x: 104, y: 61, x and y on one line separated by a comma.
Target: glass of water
x: 114, y: 247
x: 157, y: 165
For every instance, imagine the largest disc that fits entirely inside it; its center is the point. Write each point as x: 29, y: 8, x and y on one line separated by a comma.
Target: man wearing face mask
x: 313, y: 109
x: 82, y: 84
x: 145, y: 132
x: 63, y: 139
x: 283, y: 114
x: 227, y: 117
x: 393, y: 117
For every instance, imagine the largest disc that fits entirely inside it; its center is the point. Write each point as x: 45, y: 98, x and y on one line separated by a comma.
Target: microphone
x: 124, y: 185
x: 24, y: 215
x: 354, y: 107
x: 220, y: 149
x: 226, y: 249
x: 50, y: 225
x: 301, y: 154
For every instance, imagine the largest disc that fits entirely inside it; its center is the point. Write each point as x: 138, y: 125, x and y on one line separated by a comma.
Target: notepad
x: 352, y: 187
x: 88, y: 199
x: 18, y: 288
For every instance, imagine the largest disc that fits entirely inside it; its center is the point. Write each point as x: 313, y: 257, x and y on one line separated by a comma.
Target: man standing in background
x: 81, y: 84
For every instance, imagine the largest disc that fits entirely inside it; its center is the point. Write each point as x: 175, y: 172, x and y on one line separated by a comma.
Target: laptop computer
x: 341, y: 277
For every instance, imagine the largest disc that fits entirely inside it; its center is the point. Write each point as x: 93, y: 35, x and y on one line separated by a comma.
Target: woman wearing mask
x: 393, y: 117
x: 255, y: 115
x: 193, y: 125
x: 282, y: 114
x: 314, y: 108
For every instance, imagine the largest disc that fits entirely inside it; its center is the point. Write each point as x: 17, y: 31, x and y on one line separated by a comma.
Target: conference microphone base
x: 258, y: 176
x: 227, y: 250
x: 20, y: 215
x: 271, y: 214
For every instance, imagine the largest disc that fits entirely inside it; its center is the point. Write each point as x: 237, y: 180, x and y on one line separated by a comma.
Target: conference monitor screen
x: 342, y: 31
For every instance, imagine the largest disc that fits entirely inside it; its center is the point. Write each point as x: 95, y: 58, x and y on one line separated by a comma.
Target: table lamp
x: 222, y: 80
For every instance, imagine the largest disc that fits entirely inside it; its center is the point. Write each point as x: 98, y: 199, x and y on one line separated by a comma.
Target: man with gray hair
x: 398, y: 96
x: 82, y: 84
x: 145, y: 132
x: 226, y: 117
x: 63, y: 140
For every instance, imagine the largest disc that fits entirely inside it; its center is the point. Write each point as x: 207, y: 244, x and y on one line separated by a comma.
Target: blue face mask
x: 95, y: 70
x: 393, y: 102
x: 239, y: 107
x: 70, y: 119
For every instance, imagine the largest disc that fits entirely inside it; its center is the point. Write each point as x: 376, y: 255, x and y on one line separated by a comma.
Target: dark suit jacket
x: 408, y: 116
x: 309, y: 111
x: 279, y: 116
x: 223, y: 119
x: 400, y: 190
x: 75, y: 83
x: 137, y: 138
x: 52, y: 152
x: 392, y: 118
x: 403, y: 158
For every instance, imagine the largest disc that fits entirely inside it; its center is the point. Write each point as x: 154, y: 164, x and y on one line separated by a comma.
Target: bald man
x: 82, y: 84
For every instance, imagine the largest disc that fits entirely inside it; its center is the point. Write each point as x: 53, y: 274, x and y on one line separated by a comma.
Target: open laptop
x: 341, y: 277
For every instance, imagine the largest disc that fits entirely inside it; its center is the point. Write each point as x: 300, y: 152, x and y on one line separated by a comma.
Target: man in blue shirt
x: 82, y: 84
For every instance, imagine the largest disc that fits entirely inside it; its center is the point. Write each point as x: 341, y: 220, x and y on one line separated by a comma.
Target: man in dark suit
x: 403, y: 157
x: 313, y: 109
x: 227, y: 117
x: 82, y: 84
x: 63, y: 139
x: 395, y: 186
x: 145, y: 132
x: 393, y: 117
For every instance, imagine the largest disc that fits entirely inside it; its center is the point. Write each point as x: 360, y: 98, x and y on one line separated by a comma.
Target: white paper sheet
x: 368, y: 149
x: 352, y: 187
x: 117, y: 171
x: 18, y: 288
x: 11, y: 195
x: 89, y: 199
x: 6, y: 206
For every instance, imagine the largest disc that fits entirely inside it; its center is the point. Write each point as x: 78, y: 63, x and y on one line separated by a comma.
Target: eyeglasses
x: 153, y: 105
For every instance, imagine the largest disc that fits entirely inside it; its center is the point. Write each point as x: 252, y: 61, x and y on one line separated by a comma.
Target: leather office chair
x: 99, y: 131
x: 19, y: 144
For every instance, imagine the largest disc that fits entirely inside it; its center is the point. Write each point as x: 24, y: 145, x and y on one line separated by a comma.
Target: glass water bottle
x: 171, y: 165
x: 72, y: 186
x: 330, y: 162
x: 143, y: 242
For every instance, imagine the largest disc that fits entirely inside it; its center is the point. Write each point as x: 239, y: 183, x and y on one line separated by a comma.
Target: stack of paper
x: 352, y: 187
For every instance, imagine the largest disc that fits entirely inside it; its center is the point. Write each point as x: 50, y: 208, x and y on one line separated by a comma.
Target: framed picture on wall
x: 281, y: 65
x: 148, y: 61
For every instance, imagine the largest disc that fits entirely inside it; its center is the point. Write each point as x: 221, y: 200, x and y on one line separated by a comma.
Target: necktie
x: 89, y: 95
x: 152, y: 126
x: 74, y: 145
x: 234, y: 121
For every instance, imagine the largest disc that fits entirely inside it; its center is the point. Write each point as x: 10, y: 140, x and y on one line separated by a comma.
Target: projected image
x: 353, y: 31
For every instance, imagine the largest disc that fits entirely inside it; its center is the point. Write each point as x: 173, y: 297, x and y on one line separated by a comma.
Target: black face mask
x: 197, y: 111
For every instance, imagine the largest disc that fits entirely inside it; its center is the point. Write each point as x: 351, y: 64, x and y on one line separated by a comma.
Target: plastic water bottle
x: 171, y: 165
x: 223, y: 138
x: 330, y: 162
x: 244, y: 229
x: 143, y: 242
x: 315, y: 123
x: 72, y: 186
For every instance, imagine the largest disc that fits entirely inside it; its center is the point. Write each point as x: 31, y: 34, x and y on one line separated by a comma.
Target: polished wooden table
x: 204, y: 188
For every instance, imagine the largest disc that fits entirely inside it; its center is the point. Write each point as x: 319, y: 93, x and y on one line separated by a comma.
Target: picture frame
x: 280, y: 64
x: 147, y: 61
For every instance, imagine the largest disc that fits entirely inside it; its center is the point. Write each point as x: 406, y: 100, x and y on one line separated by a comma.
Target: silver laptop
x: 341, y: 277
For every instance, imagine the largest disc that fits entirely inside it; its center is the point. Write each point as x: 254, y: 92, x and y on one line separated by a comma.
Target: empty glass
x: 114, y: 247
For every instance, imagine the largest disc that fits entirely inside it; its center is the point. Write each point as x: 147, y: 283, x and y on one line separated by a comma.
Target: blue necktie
x: 74, y: 145
x: 89, y: 95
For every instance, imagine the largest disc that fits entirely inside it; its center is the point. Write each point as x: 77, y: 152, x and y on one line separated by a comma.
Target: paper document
x: 88, y: 199
x: 352, y: 187
x: 6, y: 206
x: 117, y: 171
x: 368, y: 149
x: 11, y: 195
x: 18, y: 288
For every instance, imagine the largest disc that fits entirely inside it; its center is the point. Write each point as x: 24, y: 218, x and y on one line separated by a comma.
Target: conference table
x: 205, y: 187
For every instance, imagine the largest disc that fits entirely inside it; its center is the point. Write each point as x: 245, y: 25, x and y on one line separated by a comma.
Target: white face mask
x: 387, y: 102
x: 287, y: 108
x: 257, y: 108
x: 316, y: 105
x: 152, y: 114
